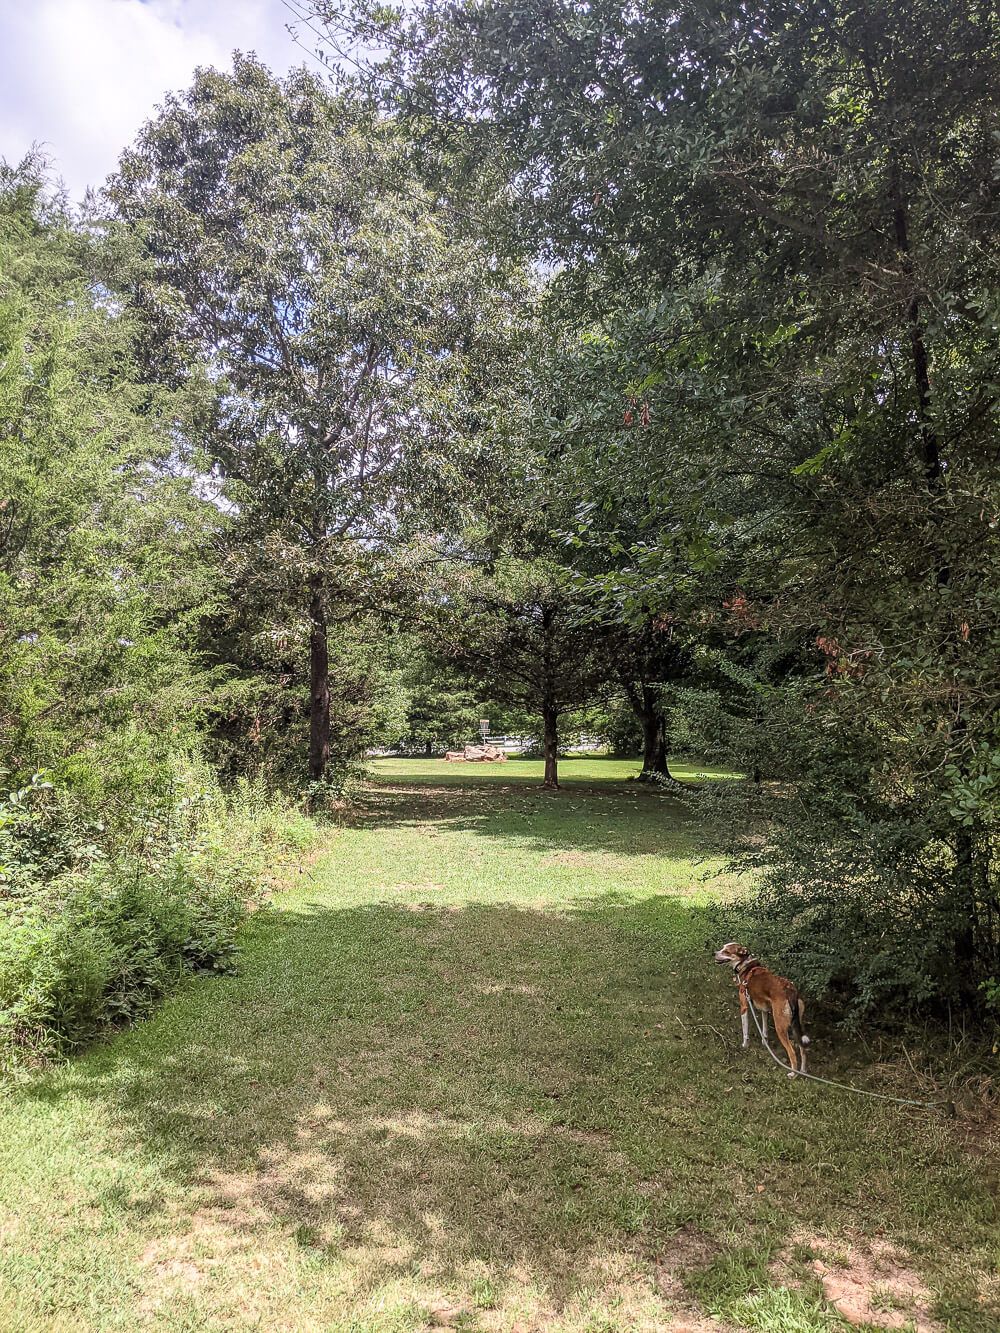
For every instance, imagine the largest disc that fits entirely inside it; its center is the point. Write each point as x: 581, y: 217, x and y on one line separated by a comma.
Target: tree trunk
x: 654, y: 744
x: 973, y: 862
x: 319, y: 683
x: 550, y: 713
x: 428, y: 748
x: 646, y: 707
x: 550, y: 720
x: 930, y: 452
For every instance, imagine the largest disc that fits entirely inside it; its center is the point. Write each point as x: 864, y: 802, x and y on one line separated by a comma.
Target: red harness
x: 744, y: 971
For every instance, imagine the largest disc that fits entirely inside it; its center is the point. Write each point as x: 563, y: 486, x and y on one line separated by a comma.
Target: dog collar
x: 744, y: 969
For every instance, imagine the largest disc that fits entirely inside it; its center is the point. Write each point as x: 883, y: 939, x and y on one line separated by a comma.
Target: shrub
x: 339, y: 786
x: 92, y: 937
x: 100, y: 948
x: 42, y: 834
x: 866, y: 915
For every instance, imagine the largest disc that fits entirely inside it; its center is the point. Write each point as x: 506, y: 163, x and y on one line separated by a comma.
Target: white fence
x: 515, y: 744
x: 509, y: 744
x: 518, y: 744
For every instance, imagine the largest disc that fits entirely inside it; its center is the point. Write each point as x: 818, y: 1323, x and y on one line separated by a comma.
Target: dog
x: 769, y: 994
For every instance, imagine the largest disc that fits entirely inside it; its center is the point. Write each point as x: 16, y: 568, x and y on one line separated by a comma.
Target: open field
x: 477, y: 1070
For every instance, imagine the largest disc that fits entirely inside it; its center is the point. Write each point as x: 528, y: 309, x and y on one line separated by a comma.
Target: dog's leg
x: 763, y: 1024
x: 744, y: 1018
x: 803, y: 1039
x: 782, y: 1022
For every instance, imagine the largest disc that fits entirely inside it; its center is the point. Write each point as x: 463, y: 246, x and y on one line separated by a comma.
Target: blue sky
x: 80, y: 76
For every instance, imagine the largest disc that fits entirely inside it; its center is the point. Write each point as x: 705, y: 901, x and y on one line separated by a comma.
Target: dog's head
x: 732, y: 954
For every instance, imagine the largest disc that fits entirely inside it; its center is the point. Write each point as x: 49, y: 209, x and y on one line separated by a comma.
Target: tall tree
x: 106, y: 567
x: 280, y: 240
x: 799, y: 207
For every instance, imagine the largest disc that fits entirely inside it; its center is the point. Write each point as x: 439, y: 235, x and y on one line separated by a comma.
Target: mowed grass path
x: 477, y: 1070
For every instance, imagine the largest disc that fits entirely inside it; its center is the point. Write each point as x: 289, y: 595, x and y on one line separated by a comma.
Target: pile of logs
x: 479, y: 754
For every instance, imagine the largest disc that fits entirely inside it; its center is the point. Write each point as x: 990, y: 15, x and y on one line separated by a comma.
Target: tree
x: 439, y: 710
x: 528, y: 639
x: 106, y: 568
x: 787, y: 218
x: 278, y: 243
x: 648, y: 660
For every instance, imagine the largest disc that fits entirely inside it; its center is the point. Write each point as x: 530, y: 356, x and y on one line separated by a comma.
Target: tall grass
x: 95, y: 930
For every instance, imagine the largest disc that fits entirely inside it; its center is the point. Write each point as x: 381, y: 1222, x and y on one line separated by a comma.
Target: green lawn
x: 586, y: 770
x: 478, y: 1070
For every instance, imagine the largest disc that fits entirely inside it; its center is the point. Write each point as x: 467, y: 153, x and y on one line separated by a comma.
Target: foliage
x: 104, y: 573
x: 777, y: 234
x: 122, y: 867
x: 256, y: 721
x: 438, y: 712
x: 565, y: 359
x: 89, y: 940
x: 554, y: 1004
x: 286, y: 257
x: 526, y: 637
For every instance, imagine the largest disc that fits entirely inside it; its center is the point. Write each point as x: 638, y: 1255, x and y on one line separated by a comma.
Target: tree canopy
x: 546, y: 358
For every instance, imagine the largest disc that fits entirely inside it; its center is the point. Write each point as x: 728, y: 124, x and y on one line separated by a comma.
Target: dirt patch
x: 867, y: 1282
x: 877, y: 1288
x: 687, y: 1249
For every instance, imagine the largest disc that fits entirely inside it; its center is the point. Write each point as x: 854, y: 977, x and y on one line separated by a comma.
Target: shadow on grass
x: 623, y: 819
x: 484, y: 1092
x: 529, y: 1091
x: 457, y: 1078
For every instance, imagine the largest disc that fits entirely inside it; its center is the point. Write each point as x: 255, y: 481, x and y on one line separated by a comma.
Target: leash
x: 947, y: 1106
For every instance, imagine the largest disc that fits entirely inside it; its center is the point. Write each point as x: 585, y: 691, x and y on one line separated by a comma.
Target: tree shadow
x: 485, y: 1092
x: 620, y: 818
x: 480, y: 1089
x: 408, y: 1084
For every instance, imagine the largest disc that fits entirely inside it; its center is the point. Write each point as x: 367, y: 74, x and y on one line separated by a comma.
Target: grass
x: 476, y: 1070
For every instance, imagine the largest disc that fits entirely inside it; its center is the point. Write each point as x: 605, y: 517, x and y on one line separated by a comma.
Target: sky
x: 79, y: 77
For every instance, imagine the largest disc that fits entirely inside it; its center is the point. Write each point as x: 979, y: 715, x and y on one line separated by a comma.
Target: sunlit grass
x: 573, y: 770
x: 477, y: 1070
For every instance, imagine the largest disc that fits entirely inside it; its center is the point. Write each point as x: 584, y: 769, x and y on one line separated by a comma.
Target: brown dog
x: 768, y: 993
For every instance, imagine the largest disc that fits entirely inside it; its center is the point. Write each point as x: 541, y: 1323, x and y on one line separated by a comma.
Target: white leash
x: 946, y: 1106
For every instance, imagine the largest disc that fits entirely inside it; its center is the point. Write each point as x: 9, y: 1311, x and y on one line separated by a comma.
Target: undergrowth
x: 95, y: 927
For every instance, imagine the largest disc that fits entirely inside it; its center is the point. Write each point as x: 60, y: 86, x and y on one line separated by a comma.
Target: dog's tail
x: 798, y: 1009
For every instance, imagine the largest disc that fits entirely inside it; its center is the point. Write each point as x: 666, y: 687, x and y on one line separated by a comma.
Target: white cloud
x: 80, y: 76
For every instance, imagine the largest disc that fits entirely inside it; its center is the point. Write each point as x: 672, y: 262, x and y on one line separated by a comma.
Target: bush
x: 343, y: 780
x: 42, y: 834
x: 101, y: 948
x: 92, y: 937
x: 866, y: 914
